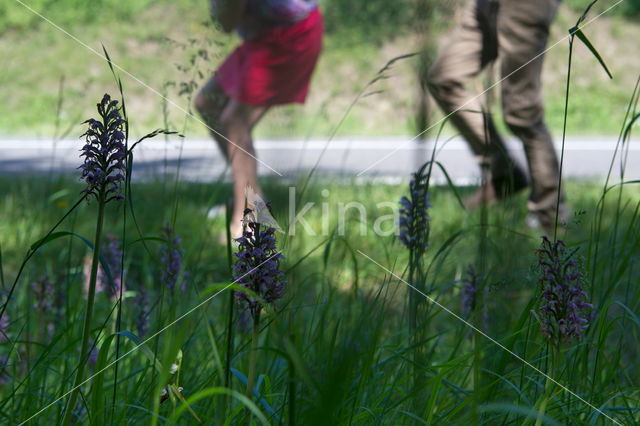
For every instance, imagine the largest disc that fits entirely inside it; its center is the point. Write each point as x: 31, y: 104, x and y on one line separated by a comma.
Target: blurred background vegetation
x: 170, y: 45
x: 366, y: 19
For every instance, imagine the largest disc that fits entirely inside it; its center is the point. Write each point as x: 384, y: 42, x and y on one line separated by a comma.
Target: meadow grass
x: 342, y: 326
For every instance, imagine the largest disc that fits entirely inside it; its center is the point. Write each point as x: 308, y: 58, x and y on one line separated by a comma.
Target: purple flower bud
x: 142, y: 320
x: 4, y: 377
x: 171, y: 257
x: 469, y: 291
x: 471, y: 300
x: 111, y: 252
x: 4, y: 327
x: 413, y: 224
x: 43, y: 295
x: 92, y: 358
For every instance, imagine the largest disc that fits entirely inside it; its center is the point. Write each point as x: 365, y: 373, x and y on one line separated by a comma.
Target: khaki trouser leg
x: 523, y: 29
x: 458, y: 62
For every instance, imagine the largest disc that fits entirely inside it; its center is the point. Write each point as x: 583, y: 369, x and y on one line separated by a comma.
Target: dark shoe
x: 499, y: 189
x: 508, y: 185
x: 542, y: 226
x: 544, y: 222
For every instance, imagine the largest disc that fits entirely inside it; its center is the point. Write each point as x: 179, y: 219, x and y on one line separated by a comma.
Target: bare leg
x: 231, y: 124
x: 237, y: 122
x: 210, y: 103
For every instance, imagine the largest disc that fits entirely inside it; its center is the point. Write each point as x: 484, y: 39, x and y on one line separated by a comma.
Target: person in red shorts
x: 282, y: 40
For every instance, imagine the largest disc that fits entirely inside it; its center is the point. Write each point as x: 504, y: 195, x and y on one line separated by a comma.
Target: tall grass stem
x: 86, y: 329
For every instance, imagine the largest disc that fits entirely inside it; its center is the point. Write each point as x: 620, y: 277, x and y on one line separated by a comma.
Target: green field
x: 48, y: 77
x: 340, y: 333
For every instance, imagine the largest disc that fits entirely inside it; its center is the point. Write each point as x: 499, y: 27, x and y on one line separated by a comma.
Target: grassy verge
x: 168, y: 47
x: 342, y: 322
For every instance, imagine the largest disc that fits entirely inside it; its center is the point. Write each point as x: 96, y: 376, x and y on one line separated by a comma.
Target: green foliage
x: 347, y: 318
x: 628, y: 8
x: 15, y: 16
x: 368, y: 19
x: 379, y: 20
x: 632, y: 8
x: 363, y: 19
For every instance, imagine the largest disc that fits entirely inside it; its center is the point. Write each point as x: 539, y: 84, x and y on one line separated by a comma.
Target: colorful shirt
x: 262, y: 15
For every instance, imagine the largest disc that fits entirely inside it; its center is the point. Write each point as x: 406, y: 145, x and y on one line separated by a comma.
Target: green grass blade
x: 218, y: 391
x: 583, y: 38
x: 97, y: 394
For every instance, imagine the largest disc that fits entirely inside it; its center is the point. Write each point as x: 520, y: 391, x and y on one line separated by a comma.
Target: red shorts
x: 276, y: 67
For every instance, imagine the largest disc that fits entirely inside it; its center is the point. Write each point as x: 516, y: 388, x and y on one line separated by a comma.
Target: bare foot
x: 235, y: 229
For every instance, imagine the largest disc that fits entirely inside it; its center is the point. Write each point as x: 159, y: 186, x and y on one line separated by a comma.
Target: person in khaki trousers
x: 516, y: 33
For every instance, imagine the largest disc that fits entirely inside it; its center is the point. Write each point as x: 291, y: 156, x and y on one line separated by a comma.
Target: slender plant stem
x: 412, y: 324
x: 292, y: 388
x: 292, y: 368
x: 486, y: 175
x: 119, y: 313
x: 253, y: 358
x: 549, y: 384
x: 412, y: 298
x: 86, y: 329
x: 564, y: 136
x: 231, y: 304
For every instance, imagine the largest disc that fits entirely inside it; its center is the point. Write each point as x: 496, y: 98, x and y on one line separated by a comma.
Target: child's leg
x: 210, y: 103
x: 237, y: 122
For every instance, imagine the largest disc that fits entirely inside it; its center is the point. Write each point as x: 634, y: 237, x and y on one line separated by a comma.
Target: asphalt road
x: 384, y: 158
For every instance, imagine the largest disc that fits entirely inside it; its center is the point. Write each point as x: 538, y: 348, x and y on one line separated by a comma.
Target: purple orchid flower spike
x: 104, y: 152
x: 565, y: 313
x: 258, y: 265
